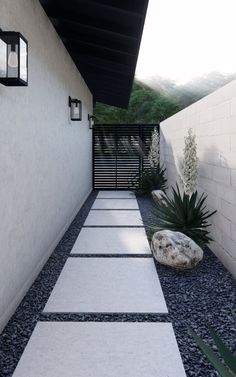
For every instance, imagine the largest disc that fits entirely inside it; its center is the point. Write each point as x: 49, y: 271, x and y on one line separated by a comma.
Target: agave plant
x: 152, y: 179
x: 226, y: 369
x: 185, y: 214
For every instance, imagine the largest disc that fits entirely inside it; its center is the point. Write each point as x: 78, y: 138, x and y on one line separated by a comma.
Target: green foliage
x: 146, y: 106
x: 226, y: 369
x: 185, y: 214
x: 152, y: 179
x: 160, y: 98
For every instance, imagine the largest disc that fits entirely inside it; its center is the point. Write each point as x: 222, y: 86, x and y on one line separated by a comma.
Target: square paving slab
x: 115, y: 204
x: 107, y: 285
x: 111, y: 241
x: 114, y: 218
x: 116, y: 194
x: 86, y: 349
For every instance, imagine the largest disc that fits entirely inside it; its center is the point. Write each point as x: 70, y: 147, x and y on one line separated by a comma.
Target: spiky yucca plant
x: 154, y: 153
x: 152, y: 179
x: 226, y: 369
x: 189, y: 176
x: 185, y: 214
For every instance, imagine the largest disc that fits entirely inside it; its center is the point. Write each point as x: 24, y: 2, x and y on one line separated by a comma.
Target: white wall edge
x: 213, y: 120
x: 21, y: 294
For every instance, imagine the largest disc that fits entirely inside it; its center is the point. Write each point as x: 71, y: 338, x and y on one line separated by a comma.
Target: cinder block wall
x: 213, y: 119
x: 45, y: 159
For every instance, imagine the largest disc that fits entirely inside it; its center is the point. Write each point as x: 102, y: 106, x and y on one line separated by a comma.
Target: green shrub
x: 226, y: 369
x: 185, y: 214
x: 152, y: 179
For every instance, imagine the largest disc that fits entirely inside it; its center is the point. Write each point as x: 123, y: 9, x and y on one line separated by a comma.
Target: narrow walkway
x: 110, y: 270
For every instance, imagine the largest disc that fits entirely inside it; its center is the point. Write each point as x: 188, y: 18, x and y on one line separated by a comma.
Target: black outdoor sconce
x: 75, y: 109
x: 91, y: 119
x: 13, y: 59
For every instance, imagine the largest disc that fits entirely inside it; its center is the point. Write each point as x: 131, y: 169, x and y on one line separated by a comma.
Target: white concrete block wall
x: 45, y: 159
x: 213, y: 119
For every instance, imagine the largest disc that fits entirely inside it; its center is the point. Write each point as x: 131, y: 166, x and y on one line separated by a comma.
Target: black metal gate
x: 119, y: 154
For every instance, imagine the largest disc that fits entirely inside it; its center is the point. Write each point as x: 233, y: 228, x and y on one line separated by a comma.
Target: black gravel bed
x: 114, y: 209
x: 198, y: 297
x: 202, y: 296
x: 104, y: 317
x: 113, y: 226
x: 16, y: 334
x: 111, y: 255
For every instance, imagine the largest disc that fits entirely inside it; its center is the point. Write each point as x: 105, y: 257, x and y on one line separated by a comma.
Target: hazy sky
x: 183, y: 39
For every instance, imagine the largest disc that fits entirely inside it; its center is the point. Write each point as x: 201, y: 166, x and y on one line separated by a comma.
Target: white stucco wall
x: 45, y: 159
x: 214, y: 121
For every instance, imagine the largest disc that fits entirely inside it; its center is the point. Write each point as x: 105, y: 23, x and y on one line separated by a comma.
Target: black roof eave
x: 103, y: 38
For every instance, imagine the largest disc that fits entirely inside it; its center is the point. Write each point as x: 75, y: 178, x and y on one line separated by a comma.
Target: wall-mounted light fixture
x: 91, y: 119
x: 75, y: 109
x: 13, y: 59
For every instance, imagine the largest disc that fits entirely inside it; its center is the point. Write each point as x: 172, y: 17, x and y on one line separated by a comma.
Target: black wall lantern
x: 13, y: 59
x: 75, y: 109
x: 91, y: 119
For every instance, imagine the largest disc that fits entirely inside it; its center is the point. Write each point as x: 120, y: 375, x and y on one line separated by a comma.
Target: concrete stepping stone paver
x: 87, y: 349
x: 115, y: 204
x: 114, y: 218
x: 116, y: 194
x: 105, y: 285
x: 108, y: 285
x: 111, y: 241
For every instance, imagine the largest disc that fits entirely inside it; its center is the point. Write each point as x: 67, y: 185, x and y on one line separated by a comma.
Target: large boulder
x: 158, y: 196
x: 175, y: 249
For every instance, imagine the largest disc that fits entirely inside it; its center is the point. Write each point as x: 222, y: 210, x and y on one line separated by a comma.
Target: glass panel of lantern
x: 75, y: 109
x: 13, y: 59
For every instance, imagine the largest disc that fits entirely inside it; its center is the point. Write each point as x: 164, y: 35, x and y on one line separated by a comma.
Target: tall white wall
x: 213, y: 119
x: 45, y: 159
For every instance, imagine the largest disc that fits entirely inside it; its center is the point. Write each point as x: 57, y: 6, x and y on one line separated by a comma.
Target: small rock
x: 175, y: 249
x: 158, y: 196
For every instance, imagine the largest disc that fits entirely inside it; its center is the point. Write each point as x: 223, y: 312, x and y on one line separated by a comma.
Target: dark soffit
x: 103, y: 38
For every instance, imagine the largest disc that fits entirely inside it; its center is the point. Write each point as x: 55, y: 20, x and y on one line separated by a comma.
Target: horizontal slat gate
x: 119, y: 154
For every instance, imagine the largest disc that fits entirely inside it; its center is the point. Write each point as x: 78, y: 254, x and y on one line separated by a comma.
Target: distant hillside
x: 192, y: 91
x: 146, y: 106
x: 159, y: 98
